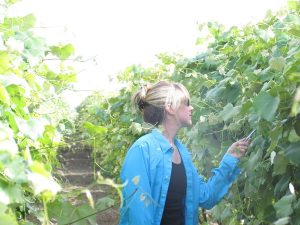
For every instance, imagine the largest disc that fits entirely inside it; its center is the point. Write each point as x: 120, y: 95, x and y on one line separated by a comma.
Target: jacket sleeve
x: 217, y: 186
x: 137, y: 208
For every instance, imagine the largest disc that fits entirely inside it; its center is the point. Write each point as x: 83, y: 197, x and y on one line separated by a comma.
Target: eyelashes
x: 188, y: 102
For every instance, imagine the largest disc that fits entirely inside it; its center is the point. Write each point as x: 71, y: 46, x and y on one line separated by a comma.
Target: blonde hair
x: 151, y: 100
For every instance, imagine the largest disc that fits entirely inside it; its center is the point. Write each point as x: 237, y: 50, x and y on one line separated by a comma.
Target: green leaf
x: 3, y: 208
x: 11, y: 194
x: 246, y: 107
x: 284, y: 206
x: 92, y: 129
x: 275, y: 135
x: 266, y: 105
x: 280, y: 164
x: 294, y: 76
x: 14, y: 80
x: 27, y: 21
x: 8, y: 219
x: 10, y: 2
x: 263, y: 34
x: 296, y: 105
x: 215, y: 28
x: 215, y: 92
x: 16, y: 170
x: 11, y: 121
x: 32, y: 128
x: 41, y: 180
x: 292, y: 67
x: 4, y: 200
x: 297, y: 127
x: 282, y: 185
x: 227, y: 212
x: 43, y: 185
x: 293, y: 5
x: 277, y: 63
x: 48, y: 135
x: 282, y: 221
x: 4, y: 96
x: 229, y: 111
x: 38, y: 167
x: 63, y: 52
x: 266, y: 75
x: 67, y: 78
x: 33, y: 82
x: 17, y: 24
x: 136, y: 128
x: 232, y: 92
x: 84, y: 211
x: 295, y: 31
x: 35, y: 48
x: 7, y: 141
x: 63, y: 212
x: 292, y: 153
x: 293, y: 136
x: 253, y: 160
x: 15, y: 193
x: 4, y: 62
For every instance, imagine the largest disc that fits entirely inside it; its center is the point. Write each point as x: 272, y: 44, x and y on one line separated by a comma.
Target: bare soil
x: 78, y: 175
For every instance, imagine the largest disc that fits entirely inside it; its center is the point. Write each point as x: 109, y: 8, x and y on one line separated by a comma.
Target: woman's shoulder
x: 144, y: 142
x: 142, y: 148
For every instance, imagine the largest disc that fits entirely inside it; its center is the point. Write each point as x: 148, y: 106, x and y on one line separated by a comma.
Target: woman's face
x: 184, y: 114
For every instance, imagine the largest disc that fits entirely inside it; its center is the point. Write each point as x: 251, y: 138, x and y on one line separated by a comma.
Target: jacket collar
x: 163, y: 142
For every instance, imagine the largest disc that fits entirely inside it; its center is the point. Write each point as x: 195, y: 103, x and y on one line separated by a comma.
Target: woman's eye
x: 188, y: 102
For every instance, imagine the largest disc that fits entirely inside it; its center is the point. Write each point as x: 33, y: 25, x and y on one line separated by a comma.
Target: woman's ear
x: 169, y: 109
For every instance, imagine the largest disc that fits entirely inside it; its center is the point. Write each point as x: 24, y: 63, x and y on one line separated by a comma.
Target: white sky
x: 124, y: 32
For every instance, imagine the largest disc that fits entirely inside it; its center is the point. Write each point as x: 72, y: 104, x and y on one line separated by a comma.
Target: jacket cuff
x: 232, y: 162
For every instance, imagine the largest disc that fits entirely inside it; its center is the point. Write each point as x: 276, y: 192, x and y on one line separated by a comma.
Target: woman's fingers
x: 239, y: 148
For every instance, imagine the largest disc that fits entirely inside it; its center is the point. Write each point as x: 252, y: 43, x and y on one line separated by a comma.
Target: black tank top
x: 174, y: 207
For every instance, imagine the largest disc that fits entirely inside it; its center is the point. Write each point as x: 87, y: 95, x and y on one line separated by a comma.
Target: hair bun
x: 142, y: 104
x: 144, y: 90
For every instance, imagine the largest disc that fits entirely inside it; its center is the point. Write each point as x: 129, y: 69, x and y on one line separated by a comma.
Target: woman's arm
x: 212, y: 191
x: 217, y: 186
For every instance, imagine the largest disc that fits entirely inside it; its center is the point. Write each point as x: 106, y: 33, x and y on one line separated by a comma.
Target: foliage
x: 28, y: 131
x: 66, y: 213
x: 248, y: 78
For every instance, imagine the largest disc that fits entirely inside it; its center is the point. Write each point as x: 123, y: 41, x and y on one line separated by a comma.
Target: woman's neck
x: 169, y: 132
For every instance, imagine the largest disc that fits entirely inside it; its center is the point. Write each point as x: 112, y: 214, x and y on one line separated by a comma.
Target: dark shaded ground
x: 78, y: 175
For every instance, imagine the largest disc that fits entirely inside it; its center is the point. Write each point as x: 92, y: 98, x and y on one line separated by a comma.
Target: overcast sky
x: 124, y: 32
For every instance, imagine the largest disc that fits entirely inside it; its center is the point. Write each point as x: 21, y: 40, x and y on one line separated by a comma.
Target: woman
x: 162, y: 185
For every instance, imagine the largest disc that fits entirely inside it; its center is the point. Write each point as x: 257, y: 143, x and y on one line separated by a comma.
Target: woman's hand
x: 239, y: 148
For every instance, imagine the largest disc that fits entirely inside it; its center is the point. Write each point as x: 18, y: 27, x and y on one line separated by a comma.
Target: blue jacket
x: 147, y: 170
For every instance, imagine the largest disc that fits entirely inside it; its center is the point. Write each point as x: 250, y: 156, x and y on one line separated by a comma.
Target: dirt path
x: 78, y: 174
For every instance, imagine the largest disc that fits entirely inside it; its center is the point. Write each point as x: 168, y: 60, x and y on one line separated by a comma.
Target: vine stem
x: 94, y: 157
x: 204, y: 103
x: 46, y: 216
